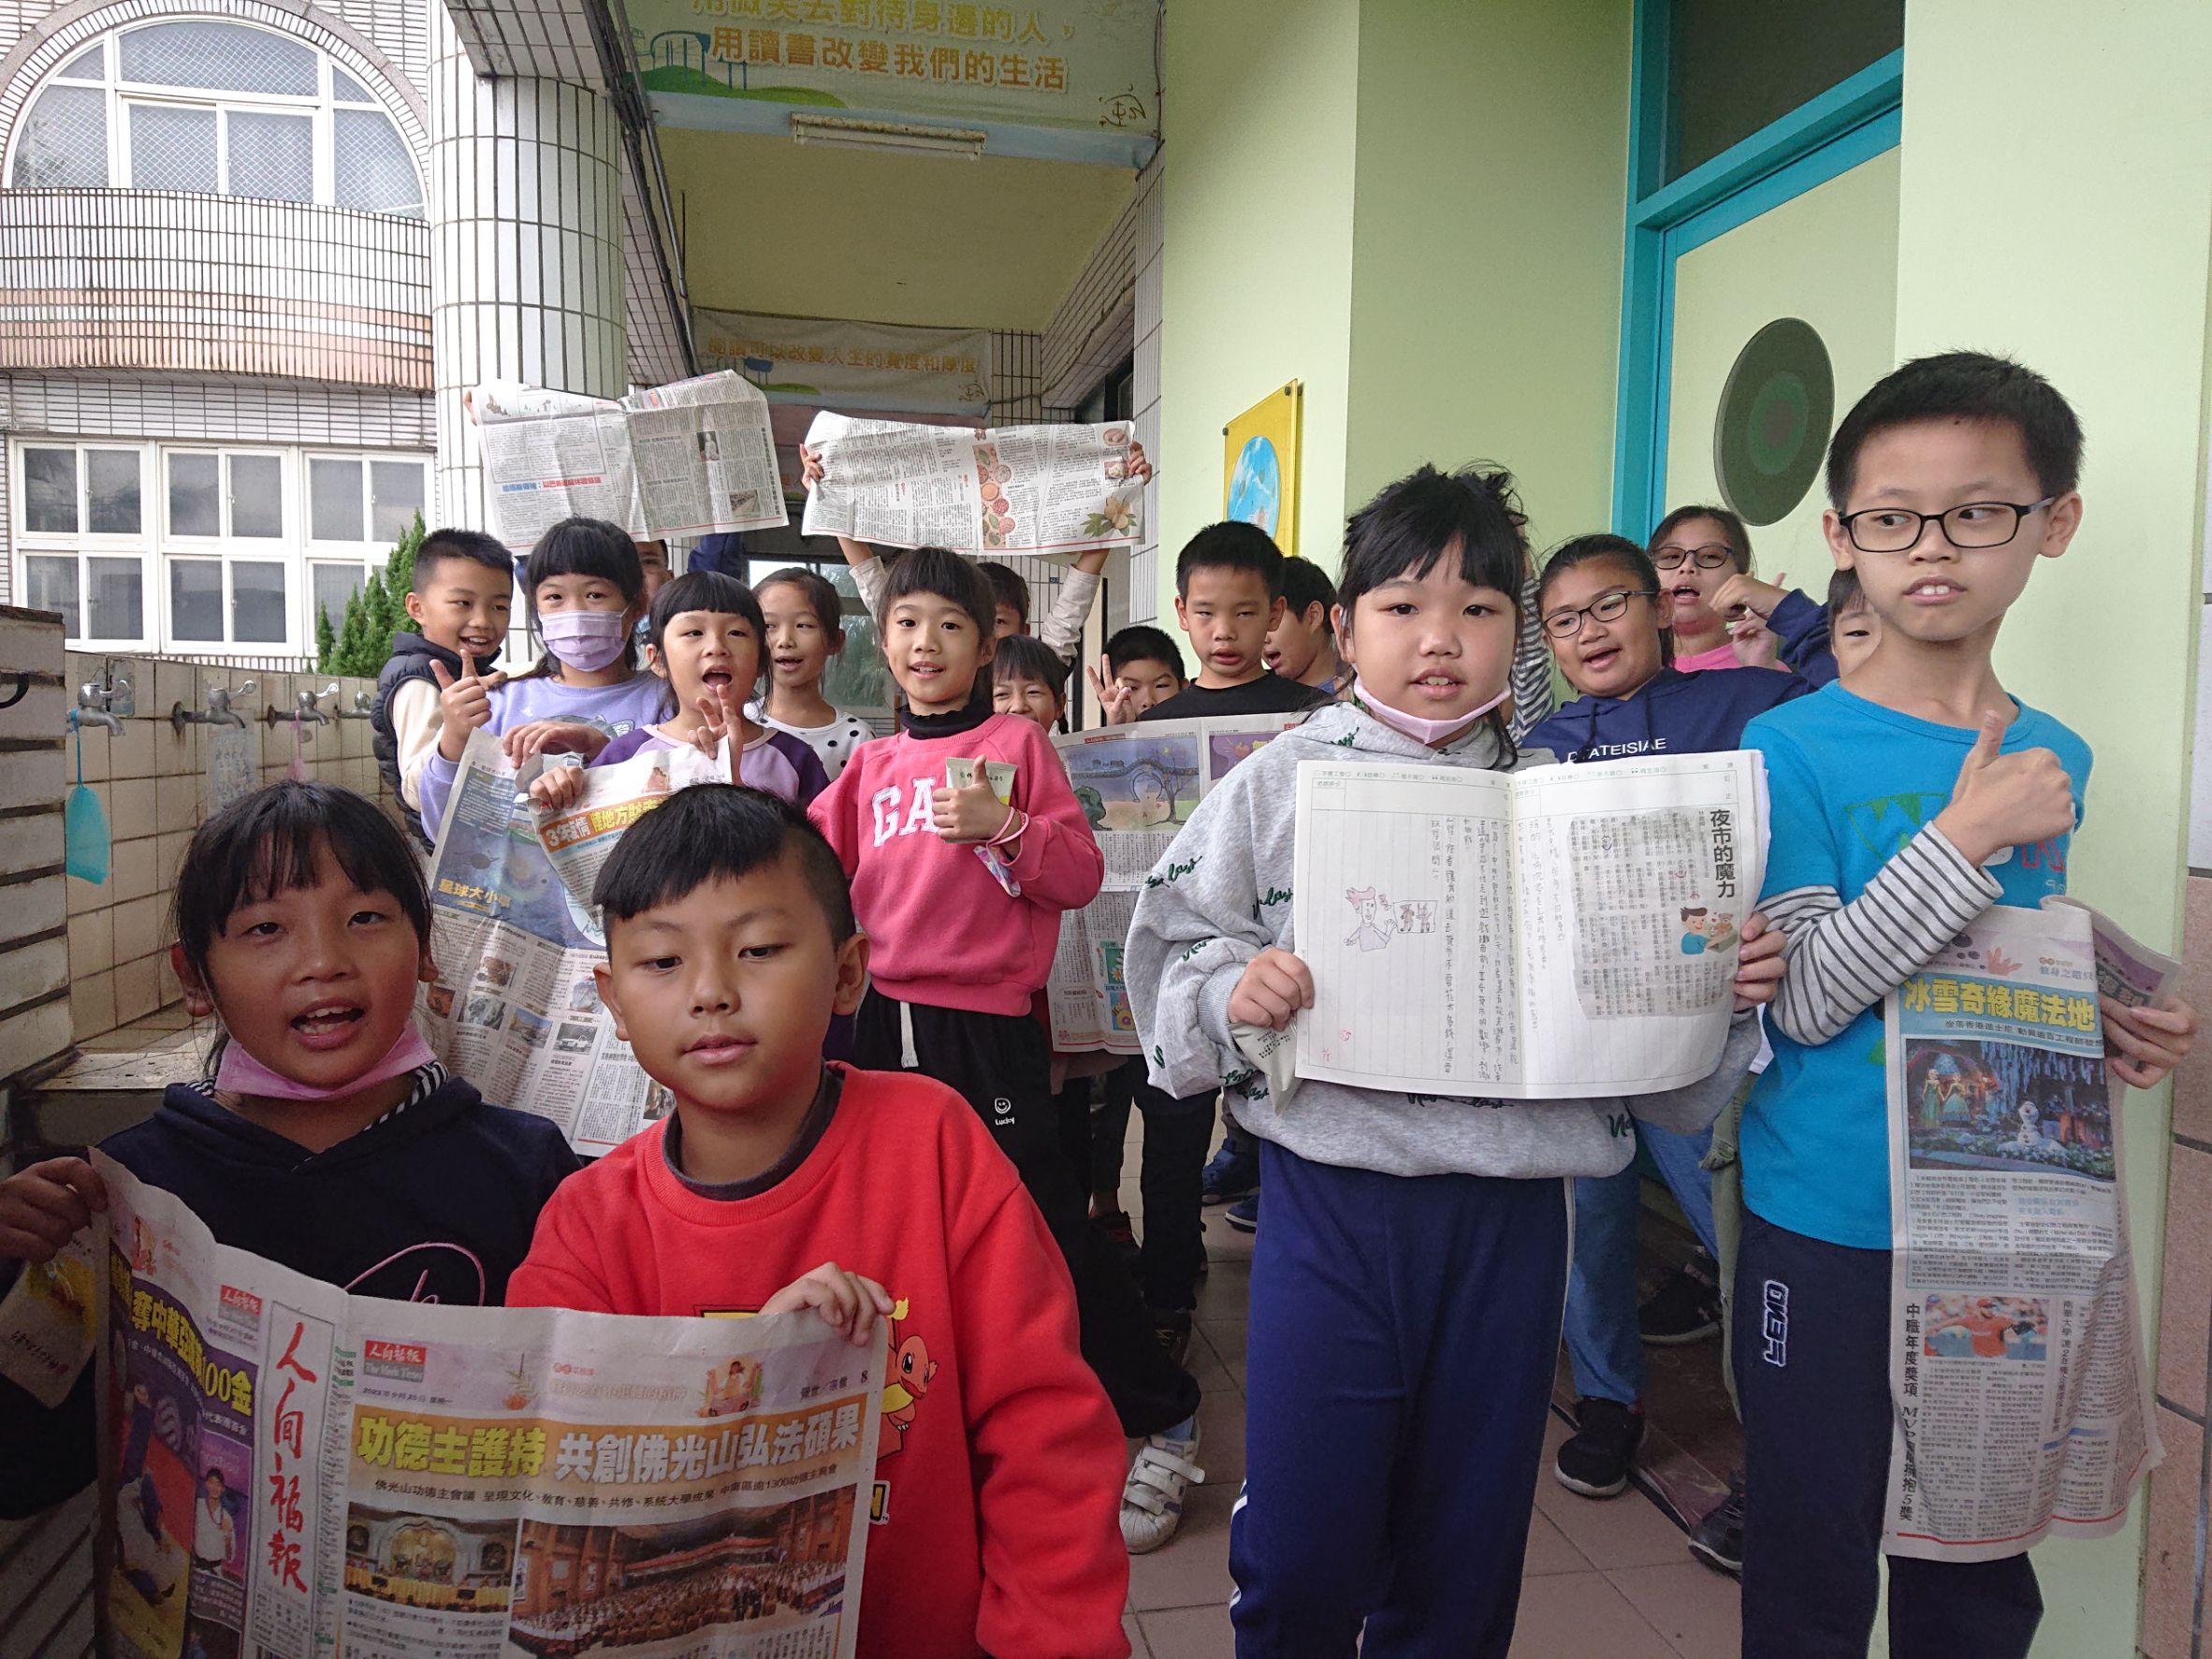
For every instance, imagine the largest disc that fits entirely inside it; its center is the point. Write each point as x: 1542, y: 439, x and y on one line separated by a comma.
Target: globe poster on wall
x: 1259, y: 465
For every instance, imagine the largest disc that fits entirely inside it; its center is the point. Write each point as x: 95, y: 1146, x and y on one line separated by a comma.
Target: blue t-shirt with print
x: 1850, y: 783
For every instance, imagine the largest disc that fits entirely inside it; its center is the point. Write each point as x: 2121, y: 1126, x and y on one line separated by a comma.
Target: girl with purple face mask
x: 586, y: 591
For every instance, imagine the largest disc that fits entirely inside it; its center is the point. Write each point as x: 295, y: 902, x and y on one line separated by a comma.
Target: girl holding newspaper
x: 1406, y: 1290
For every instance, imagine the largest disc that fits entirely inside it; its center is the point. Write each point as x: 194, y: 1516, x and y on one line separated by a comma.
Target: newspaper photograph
x: 514, y: 1008
x: 1002, y: 489
x: 290, y: 1471
x: 1138, y: 785
x: 2023, y: 1400
x: 1541, y: 935
x: 680, y: 459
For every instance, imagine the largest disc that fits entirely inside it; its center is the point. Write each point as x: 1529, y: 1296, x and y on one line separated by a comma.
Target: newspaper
x: 1541, y: 935
x: 1138, y: 785
x: 290, y: 1471
x: 1005, y: 490
x: 2023, y: 1402
x: 678, y: 460
x: 514, y: 1008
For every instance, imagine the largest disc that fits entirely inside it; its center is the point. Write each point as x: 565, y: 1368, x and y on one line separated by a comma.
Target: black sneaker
x: 1686, y: 1308
x: 1595, y: 1459
x: 1173, y: 1327
x: 1717, y: 1540
x: 1121, y: 1234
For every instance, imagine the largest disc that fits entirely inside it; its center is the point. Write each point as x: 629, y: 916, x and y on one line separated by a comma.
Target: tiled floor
x: 1609, y: 1579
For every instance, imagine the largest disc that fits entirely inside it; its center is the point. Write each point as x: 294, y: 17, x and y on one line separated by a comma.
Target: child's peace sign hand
x: 1759, y: 964
x: 716, y: 722
x: 1117, y: 703
x: 463, y: 704
x: 972, y: 814
x: 849, y: 1304
x: 1273, y: 988
x: 45, y: 1205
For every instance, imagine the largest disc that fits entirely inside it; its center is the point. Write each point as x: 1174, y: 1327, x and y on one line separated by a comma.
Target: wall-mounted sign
x: 850, y: 366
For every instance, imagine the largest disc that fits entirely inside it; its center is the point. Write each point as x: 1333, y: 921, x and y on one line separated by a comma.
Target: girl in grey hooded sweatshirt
x: 1406, y: 1288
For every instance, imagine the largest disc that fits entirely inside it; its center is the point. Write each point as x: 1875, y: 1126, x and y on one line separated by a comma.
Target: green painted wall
x: 1258, y: 245
x: 2086, y: 131
x: 1487, y: 227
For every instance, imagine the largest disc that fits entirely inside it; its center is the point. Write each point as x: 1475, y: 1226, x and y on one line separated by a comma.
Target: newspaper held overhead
x: 514, y: 1008
x: 1005, y: 490
x: 2023, y: 1402
x: 291, y: 1471
x: 1541, y: 935
x: 1138, y: 786
x: 680, y: 459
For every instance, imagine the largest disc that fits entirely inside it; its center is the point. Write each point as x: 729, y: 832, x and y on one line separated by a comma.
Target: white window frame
x: 83, y: 545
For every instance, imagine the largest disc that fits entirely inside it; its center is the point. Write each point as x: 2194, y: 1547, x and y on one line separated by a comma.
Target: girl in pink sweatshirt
x: 960, y: 887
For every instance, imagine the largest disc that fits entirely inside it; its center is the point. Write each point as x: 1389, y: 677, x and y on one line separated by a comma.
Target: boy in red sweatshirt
x: 730, y: 943
x: 961, y: 894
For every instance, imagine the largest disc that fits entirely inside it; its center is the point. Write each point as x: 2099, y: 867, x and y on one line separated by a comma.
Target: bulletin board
x: 1259, y: 465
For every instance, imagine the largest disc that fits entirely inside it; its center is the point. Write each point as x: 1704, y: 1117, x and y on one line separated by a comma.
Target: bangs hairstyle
x: 1025, y: 657
x: 274, y: 841
x: 583, y: 547
x: 1631, y: 561
x: 708, y: 590
x: 1306, y: 585
x: 470, y: 545
x: 819, y: 594
x: 945, y: 576
x: 1407, y: 528
x: 1143, y: 643
x: 1008, y: 588
x: 1732, y: 531
x: 1844, y: 595
x: 714, y: 830
x: 1964, y: 385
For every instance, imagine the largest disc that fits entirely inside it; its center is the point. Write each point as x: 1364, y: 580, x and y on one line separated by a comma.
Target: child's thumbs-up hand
x: 2005, y: 800
x: 463, y: 704
x: 972, y: 814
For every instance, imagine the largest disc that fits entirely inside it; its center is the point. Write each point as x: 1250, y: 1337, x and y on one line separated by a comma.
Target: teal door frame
x: 1852, y: 122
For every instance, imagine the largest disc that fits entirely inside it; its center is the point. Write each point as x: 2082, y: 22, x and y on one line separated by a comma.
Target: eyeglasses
x: 1711, y: 555
x: 1605, y: 607
x: 1972, y: 524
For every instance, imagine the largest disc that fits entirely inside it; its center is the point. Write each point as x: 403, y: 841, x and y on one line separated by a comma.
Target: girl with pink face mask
x: 586, y: 590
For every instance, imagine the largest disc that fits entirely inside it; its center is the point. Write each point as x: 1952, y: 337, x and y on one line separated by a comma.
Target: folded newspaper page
x: 2023, y: 1401
x: 680, y: 459
x: 515, y: 1009
x: 1138, y: 785
x: 292, y: 1472
x: 1007, y: 489
x: 1541, y: 935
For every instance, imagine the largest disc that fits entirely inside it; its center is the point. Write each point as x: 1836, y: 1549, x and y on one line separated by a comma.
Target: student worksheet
x: 1542, y: 934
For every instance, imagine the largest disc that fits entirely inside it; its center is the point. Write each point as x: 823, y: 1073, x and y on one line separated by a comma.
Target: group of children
x: 1406, y: 1292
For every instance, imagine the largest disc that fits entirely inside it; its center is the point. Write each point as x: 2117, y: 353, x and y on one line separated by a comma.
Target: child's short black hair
x: 820, y: 594
x: 1306, y: 585
x: 704, y: 590
x: 946, y: 575
x: 713, y: 830
x: 269, y: 843
x: 1143, y: 643
x: 584, y: 547
x: 1844, y: 594
x: 1732, y: 530
x: 1008, y: 588
x: 1963, y: 385
x: 1025, y: 657
x: 470, y: 545
x: 1230, y: 546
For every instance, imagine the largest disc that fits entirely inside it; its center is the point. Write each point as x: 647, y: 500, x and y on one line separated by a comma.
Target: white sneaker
x: 1151, y: 1500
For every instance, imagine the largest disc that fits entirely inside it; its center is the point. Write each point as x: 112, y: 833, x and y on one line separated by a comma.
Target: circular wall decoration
x: 1771, y: 431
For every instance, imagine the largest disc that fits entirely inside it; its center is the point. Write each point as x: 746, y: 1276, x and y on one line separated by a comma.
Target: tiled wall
x: 154, y: 785
x: 33, y: 965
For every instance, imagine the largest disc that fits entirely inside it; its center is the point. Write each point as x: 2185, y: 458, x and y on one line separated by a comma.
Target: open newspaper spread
x: 1138, y: 785
x: 514, y: 1008
x: 680, y: 459
x: 1008, y: 489
x: 1541, y: 935
x: 2023, y: 1403
x: 290, y: 1471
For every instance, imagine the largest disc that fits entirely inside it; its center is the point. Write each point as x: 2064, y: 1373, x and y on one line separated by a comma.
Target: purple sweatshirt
x: 638, y: 700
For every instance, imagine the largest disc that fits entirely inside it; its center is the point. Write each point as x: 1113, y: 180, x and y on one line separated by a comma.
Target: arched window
x: 203, y: 105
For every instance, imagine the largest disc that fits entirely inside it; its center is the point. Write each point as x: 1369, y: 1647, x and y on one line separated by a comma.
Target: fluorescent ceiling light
x: 808, y: 128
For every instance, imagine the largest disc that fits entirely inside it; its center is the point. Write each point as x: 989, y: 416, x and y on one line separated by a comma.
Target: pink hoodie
x: 944, y: 933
